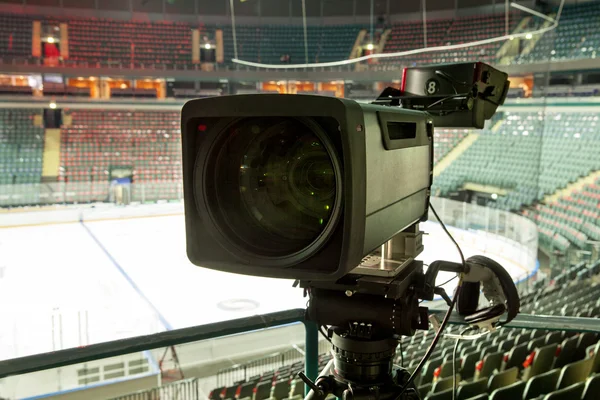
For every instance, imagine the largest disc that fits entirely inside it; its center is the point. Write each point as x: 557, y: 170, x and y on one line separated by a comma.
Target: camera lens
x: 277, y: 184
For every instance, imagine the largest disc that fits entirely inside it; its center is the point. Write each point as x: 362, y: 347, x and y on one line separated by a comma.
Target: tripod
x: 362, y: 367
x: 367, y: 311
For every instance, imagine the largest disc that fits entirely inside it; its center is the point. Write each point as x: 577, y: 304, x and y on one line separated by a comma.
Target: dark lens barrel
x: 277, y: 184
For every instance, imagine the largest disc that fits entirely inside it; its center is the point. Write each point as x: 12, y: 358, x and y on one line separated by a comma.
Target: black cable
x: 445, y: 283
x: 441, y: 113
x: 434, y: 342
x: 324, y: 334
x: 454, y: 368
x: 454, y: 96
x: 438, y: 335
x: 462, y: 257
x: 454, y: 360
x: 448, y: 281
x: 451, y: 79
x: 401, y: 355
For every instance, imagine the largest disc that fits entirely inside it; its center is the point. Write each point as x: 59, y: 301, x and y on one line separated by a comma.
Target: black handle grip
x: 310, y: 384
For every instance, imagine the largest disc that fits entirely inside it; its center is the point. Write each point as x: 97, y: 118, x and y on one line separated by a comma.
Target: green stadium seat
x: 574, y: 373
x: 569, y: 393
x: 541, y: 384
x: 510, y: 392
x: 21, y: 154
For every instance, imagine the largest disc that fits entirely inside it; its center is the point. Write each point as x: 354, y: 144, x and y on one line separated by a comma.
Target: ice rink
x: 72, y: 284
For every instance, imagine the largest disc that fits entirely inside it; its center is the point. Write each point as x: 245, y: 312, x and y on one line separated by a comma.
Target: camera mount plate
x: 373, y: 265
x: 394, y: 256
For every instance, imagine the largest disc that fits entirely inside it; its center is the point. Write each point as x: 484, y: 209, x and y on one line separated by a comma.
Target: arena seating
x: 515, y: 93
x: 577, y: 36
x: 444, y: 140
x: 507, y: 364
x: 278, y: 384
x: 585, y: 90
x: 461, y: 31
x: 145, y: 43
x: 21, y: 146
x: 15, y: 34
x: 544, y: 154
x: 126, y: 42
x: 15, y: 90
x: 98, y: 140
x: 575, y: 217
x: 409, y: 35
x: 267, y: 43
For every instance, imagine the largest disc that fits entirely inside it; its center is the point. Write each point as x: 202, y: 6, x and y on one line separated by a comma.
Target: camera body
x: 300, y: 186
x: 304, y: 187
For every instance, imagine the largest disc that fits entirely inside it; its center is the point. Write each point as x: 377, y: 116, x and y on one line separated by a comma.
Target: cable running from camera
x: 444, y: 323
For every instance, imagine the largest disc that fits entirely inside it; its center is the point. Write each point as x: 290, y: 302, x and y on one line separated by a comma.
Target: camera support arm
x: 429, y: 289
x: 474, y: 272
x: 477, y: 274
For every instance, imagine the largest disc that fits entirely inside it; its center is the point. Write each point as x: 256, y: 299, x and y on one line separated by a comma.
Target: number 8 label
x: 432, y: 87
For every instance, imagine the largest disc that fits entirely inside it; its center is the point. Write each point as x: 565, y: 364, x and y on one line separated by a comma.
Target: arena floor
x: 66, y: 285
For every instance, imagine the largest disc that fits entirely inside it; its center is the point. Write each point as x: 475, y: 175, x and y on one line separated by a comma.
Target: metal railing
x: 98, y: 351
x: 187, y: 389
x: 60, y: 358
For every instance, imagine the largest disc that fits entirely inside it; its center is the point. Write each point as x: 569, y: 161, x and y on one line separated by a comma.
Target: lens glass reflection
x: 286, y: 182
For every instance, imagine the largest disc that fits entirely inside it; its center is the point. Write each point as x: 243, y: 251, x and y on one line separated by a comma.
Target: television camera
x: 330, y: 192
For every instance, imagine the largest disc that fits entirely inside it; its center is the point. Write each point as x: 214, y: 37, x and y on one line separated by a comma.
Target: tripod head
x: 371, y: 308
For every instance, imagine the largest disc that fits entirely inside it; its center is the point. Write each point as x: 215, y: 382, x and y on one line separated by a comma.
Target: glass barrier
x: 87, y: 192
x: 198, y: 366
x: 32, y: 331
x: 501, y: 233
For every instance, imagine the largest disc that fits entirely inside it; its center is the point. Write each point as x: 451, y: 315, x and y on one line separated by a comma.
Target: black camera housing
x: 460, y: 95
x: 385, y: 165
